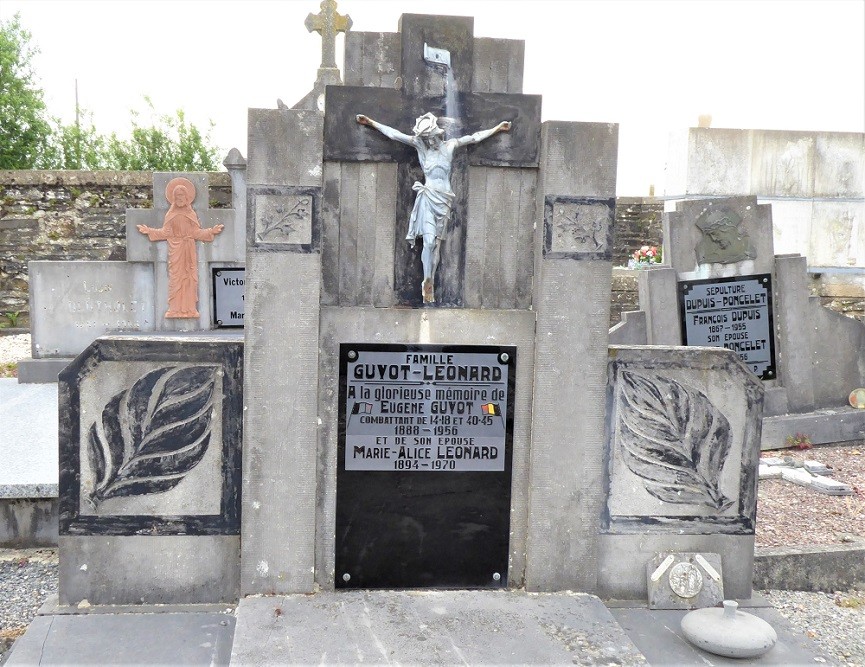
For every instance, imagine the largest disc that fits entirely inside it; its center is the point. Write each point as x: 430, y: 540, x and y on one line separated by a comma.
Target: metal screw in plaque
x: 684, y: 580
x: 352, y: 355
x: 346, y: 577
x: 497, y: 576
x: 503, y: 357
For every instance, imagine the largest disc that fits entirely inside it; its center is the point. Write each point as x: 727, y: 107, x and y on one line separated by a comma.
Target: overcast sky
x: 651, y: 66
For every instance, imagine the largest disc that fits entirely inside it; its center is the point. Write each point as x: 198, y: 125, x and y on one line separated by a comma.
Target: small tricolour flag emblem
x: 491, y: 409
x: 361, y: 408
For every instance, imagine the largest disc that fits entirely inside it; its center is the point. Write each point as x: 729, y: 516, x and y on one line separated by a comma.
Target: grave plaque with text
x: 228, y: 297
x: 735, y: 313
x: 424, y: 465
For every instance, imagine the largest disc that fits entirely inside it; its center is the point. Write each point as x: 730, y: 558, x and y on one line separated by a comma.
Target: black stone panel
x: 346, y: 139
x: 226, y: 352
x: 421, y: 529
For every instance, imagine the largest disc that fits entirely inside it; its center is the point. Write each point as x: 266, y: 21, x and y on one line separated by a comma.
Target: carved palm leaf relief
x: 674, y: 439
x: 153, y: 433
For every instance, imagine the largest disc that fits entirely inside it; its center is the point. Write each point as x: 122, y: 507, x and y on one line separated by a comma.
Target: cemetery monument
x: 479, y: 432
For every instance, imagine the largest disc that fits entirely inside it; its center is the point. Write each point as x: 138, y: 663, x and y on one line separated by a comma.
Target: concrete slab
x: 828, y: 425
x: 41, y: 371
x: 429, y: 627
x: 138, y: 638
x: 658, y: 635
x: 28, y: 440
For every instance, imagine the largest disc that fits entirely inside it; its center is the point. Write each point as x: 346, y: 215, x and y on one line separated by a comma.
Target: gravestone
x: 488, y: 439
x: 150, y: 447
x: 74, y: 302
x: 356, y: 287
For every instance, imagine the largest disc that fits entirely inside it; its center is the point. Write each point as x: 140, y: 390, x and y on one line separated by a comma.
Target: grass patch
x: 9, y: 369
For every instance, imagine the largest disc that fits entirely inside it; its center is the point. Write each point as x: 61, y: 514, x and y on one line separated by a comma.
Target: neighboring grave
x: 150, y: 446
x: 74, y: 302
x: 725, y: 287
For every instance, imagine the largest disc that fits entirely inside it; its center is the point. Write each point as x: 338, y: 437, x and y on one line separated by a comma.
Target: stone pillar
x: 792, y: 323
x: 572, y: 298
x: 236, y: 165
x: 658, y: 298
x: 283, y: 276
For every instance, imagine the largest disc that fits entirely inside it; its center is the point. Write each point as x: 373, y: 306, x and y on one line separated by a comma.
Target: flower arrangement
x: 799, y: 441
x: 647, y: 254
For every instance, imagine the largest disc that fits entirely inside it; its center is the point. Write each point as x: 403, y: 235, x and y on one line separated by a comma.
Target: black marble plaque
x: 424, y: 466
x: 735, y: 313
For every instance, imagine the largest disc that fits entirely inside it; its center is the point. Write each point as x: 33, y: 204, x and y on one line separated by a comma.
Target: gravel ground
x: 13, y: 349
x: 27, y: 578
x: 787, y: 515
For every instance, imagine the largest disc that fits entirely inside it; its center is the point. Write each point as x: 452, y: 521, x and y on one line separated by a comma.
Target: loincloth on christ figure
x: 431, y: 211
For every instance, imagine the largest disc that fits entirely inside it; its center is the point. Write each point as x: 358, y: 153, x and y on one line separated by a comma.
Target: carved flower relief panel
x: 151, y: 440
x: 283, y: 218
x: 580, y: 227
x: 674, y: 451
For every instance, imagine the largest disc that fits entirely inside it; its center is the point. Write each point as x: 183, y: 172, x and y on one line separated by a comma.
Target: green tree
x: 166, y: 143
x: 24, y: 126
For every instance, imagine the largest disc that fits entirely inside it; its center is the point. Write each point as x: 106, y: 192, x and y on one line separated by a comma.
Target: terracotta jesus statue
x: 181, y: 229
x: 432, y: 207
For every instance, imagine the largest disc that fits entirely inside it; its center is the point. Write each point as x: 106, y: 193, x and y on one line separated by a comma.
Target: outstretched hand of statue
x: 144, y: 229
x: 217, y: 229
x: 504, y: 126
x: 364, y: 120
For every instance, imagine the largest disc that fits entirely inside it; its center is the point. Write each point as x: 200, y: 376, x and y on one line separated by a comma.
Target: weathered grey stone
x: 571, y: 297
x: 284, y: 147
x: 28, y: 522
x: 149, y: 569
x: 836, y: 424
x: 372, y: 59
x: 729, y: 632
x: 659, y: 300
x: 705, y: 393
x: 632, y: 330
x: 684, y: 580
x: 782, y: 164
x: 430, y: 627
x: 793, y: 324
x: 622, y: 561
x: 280, y: 422
x: 74, y: 302
x: 724, y: 166
x: 499, y: 258
x: 837, y: 567
x: 498, y: 65
x: 685, y: 243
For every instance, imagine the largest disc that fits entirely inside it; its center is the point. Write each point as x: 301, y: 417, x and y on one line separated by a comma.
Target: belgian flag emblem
x: 491, y: 409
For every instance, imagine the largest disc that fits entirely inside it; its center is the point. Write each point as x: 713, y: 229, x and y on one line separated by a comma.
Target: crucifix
x: 441, y: 86
x: 328, y: 23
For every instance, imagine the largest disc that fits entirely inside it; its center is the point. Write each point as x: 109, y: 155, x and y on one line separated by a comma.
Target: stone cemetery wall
x: 638, y: 223
x: 69, y: 215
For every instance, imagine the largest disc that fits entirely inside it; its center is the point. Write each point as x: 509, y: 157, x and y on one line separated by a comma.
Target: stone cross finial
x: 328, y: 23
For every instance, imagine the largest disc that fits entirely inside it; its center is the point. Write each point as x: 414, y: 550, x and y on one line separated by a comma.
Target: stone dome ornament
x: 729, y: 632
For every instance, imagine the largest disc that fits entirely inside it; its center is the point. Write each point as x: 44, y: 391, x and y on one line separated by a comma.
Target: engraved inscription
x: 285, y: 219
x: 579, y: 227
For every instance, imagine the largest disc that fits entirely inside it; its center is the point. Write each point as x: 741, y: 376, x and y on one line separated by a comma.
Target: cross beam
x: 424, y: 90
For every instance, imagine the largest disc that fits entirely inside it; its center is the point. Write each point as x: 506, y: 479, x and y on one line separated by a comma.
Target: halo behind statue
x: 173, y: 183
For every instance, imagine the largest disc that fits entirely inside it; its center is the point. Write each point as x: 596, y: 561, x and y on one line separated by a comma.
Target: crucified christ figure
x: 432, y: 207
